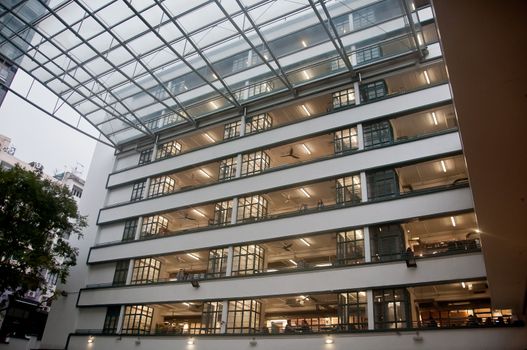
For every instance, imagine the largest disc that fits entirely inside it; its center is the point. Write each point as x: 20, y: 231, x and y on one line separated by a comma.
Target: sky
x: 40, y: 138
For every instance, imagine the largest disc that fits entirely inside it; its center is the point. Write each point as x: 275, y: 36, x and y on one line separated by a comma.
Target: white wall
x: 101, y: 273
x: 357, y: 216
x: 437, y: 339
x: 111, y: 233
x: 120, y: 194
x: 126, y: 161
x: 455, y: 267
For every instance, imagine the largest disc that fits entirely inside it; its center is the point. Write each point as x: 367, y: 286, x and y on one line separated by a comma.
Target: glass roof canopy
x: 133, y: 68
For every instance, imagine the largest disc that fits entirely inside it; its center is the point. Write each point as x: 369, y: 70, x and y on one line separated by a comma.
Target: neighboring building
x: 72, y: 181
x: 295, y: 183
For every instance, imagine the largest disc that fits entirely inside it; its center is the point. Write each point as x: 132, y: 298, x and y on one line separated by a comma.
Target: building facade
x: 329, y: 208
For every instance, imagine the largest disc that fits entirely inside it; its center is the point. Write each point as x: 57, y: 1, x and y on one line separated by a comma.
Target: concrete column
x: 357, y: 92
x: 138, y: 229
x: 238, y: 165
x: 230, y: 253
x: 242, y: 122
x: 234, y: 213
x: 369, y: 308
x: 120, y: 320
x: 360, y: 136
x: 146, y: 192
x: 224, y: 313
x: 130, y: 271
x: 363, y: 187
x: 367, y: 244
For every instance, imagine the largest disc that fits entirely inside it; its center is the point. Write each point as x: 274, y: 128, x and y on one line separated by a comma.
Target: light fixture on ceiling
x: 186, y: 304
x: 306, y: 110
x: 463, y: 285
x: 413, y: 6
x: 306, y: 74
x: 324, y: 265
x: 427, y: 78
x: 434, y: 118
x: 193, y: 256
x: 213, y: 104
x: 305, y: 192
x: 207, y: 136
x: 443, y: 166
x: 215, y: 76
x: 308, y: 151
x: 453, y: 221
x: 293, y: 262
x: 419, y: 39
x: 271, y: 270
x: 190, y: 341
x: 204, y: 173
x: 329, y: 340
x: 304, y: 44
x: 305, y: 242
x: 91, y: 339
x: 199, y: 213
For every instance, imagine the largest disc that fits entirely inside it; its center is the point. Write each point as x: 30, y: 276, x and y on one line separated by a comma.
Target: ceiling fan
x: 290, y: 154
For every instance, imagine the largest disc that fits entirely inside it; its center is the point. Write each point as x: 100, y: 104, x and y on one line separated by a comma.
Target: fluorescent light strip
x: 305, y: 242
x: 304, y: 192
x: 306, y: 74
x: 443, y: 166
x: 304, y: 43
x: 208, y: 136
x: 324, y: 265
x: 193, y: 256
x: 434, y: 118
x: 271, y: 270
x: 305, y: 110
x: 463, y: 284
x: 293, y: 262
x: 199, y: 213
x: 186, y: 304
x: 453, y: 221
x: 204, y: 173
x: 308, y: 151
x: 427, y: 77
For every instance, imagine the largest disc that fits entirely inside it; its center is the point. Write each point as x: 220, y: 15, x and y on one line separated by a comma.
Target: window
x: 168, y: 119
x: 121, y: 272
x: 239, y: 63
x: 390, y: 307
x: 382, y: 184
x: 130, y: 227
x: 227, y: 169
x: 337, y: 64
x: 145, y: 156
x: 168, y: 149
x: 111, y: 319
x: 232, y: 130
x: 222, y: 213
x: 145, y: 271
x: 252, y: 208
x: 255, y: 163
x: 348, y: 189
x: 373, y: 91
x: 260, y: 88
x: 377, y: 134
x: 137, y: 319
x: 161, y: 185
x: 258, y: 123
x: 387, y: 242
x: 343, y: 98
x: 342, y: 24
x: 368, y: 54
x: 350, y: 247
x: 352, y: 311
x: 211, y: 317
x: 346, y: 140
x: 154, y: 225
x: 247, y: 260
x: 364, y: 17
x: 217, y: 265
x: 244, y: 316
x: 137, y: 191
x: 76, y: 191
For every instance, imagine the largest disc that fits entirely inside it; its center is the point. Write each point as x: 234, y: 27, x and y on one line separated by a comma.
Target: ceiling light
x: 190, y: 341
x: 215, y: 76
x: 293, y: 262
x: 463, y: 285
x: 305, y: 110
x: 362, y: 294
x: 414, y: 239
x: 193, y: 256
x: 304, y: 192
x: 306, y: 74
x: 329, y: 340
x: 266, y: 58
x: 419, y: 39
x: 305, y: 242
x: 308, y: 151
x: 91, y: 339
x: 413, y: 6
x: 186, y: 304
x: 324, y: 265
x: 478, y: 230
x: 199, y: 213
x: 434, y: 118
x: 207, y: 136
x: 271, y: 270
x: 427, y: 77
x: 304, y: 43
x: 443, y: 166
x: 453, y: 221
x: 203, y: 172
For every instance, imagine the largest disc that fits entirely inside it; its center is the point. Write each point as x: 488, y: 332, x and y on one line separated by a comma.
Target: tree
x: 37, y: 216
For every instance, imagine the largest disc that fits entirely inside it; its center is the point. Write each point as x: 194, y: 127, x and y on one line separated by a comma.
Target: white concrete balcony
x: 400, y: 208
x: 317, y: 125
x: 333, y: 167
x: 367, y: 276
x: 438, y: 339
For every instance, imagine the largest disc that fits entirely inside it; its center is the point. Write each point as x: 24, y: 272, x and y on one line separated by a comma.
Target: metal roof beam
x: 411, y: 23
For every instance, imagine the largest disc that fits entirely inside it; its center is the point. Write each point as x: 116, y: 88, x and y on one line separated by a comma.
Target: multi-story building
x: 286, y: 175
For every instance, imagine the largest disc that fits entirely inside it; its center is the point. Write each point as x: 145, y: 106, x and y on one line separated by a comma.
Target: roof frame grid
x: 411, y: 23
x: 181, y: 58
x: 186, y: 116
x: 338, y: 45
x: 32, y: 27
x: 241, y: 32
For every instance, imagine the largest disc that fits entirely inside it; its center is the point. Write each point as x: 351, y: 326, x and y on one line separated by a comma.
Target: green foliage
x: 36, y: 218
